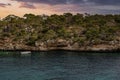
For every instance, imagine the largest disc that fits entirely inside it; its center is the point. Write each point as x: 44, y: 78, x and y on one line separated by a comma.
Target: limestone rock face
x: 75, y: 45
x: 60, y: 44
x: 39, y: 43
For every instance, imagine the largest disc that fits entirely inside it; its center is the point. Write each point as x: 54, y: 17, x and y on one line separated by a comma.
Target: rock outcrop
x: 59, y: 44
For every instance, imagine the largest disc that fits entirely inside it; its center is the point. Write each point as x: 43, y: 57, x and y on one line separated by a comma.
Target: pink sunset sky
x: 21, y: 7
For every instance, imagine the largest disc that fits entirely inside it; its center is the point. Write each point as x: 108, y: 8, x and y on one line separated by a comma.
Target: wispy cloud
x: 74, y: 6
x: 4, y: 5
x: 27, y: 5
x: 54, y: 2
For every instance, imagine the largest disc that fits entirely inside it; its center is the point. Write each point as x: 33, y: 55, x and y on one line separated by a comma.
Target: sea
x: 61, y: 65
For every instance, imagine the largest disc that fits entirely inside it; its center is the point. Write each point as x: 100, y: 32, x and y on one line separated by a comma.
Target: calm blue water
x: 61, y: 65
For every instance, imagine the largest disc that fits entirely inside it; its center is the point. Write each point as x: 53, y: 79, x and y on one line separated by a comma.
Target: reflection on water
x: 61, y: 65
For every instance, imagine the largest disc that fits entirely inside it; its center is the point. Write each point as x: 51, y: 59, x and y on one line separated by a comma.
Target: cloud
x: 87, y: 6
x: 106, y: 2
x: 54, y: 2
x: 4, y: 5
x: 51, y: 2
x: 27, y: 5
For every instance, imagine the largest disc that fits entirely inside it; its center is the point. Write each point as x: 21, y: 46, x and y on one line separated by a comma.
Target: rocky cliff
x: 60, y: 44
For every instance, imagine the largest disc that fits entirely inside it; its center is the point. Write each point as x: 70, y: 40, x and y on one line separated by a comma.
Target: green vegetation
x: 84, y: 29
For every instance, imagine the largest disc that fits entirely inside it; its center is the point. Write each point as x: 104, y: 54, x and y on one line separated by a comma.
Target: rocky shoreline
x: 73, y: 50
x: 95, y: 48
x: 61, y: 44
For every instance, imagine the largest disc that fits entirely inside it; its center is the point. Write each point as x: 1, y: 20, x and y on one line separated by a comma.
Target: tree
x: 78, y: 19
x: 50, y: 34
x: 68, y: 18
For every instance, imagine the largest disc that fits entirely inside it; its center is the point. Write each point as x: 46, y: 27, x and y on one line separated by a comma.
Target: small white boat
x: 25, y: 52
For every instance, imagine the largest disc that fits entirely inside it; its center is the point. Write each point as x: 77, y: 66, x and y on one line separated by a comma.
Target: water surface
x: 61, y: 65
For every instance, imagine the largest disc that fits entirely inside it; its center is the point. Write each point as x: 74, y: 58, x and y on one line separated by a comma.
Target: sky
x: 39, y: 7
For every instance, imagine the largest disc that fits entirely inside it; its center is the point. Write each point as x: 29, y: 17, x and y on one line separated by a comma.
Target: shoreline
x: 71, y: 50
